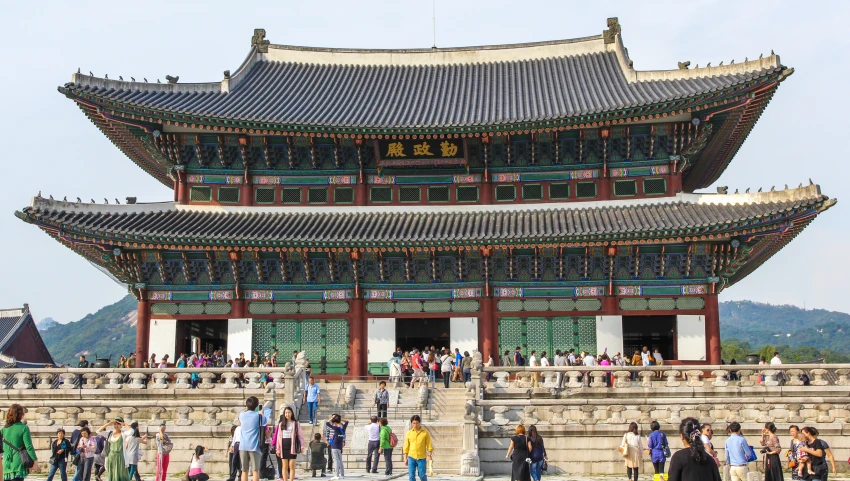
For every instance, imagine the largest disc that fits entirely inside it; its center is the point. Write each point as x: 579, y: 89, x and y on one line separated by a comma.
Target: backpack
x: 520, y: 360
x: 393, y: 439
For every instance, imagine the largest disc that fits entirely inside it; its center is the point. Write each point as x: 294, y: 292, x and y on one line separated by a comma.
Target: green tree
x: 767, y: 352
x: 732, y: 350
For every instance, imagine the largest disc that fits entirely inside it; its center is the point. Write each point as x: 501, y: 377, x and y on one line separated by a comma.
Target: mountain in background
x: 46, y: 324
x: 111, y: 331
x: 746, y: 327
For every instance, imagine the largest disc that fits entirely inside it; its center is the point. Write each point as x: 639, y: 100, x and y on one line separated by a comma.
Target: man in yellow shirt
x: 417, y: 449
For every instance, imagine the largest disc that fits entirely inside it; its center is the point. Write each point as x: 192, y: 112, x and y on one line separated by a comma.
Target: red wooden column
x: 712, y: 329
x: 237, y: 309
x: 357, y: 339
x: 488, y: 329
x: 143, y: 331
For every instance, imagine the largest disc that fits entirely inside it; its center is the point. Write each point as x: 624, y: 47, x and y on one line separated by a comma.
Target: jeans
x: 388, y: 461
x: 537, y: 470
x: 467, y: 376
x: 373, y: 449
x: 61, y: 464
x: 78, y: 472
x: 446, y: 378
x: 414, y: 465
x: 312, y: 406
x: 382, y: 411
x: 86, y: 465
x: 339, y: 469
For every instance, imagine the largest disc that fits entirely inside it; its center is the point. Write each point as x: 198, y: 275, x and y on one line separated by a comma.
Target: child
x: 317, y: 454
x: 804, y: 467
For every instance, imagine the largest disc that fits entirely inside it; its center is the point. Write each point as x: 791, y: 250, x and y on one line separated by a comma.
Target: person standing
x: 16, y: 433
x: 655, y: 448
x: 692, y: 463
x: 817, y: 454
x: 446, y: 368
x: 382, y: 399
x: 131, y: 448
x: 776, y: 360
x: 163, y: 452
x: 458, y: 374
x: 289, y: 443
x: 86, y: 448
x: 253, y: 425
x: 466, y: 367
x: 506, y: 359
x: 538, y: 453
x: 233, y: 451
x: 373, y: 429
x: 75, y: 438
x: 736, y: 453
x: 518, y: 451
x: 706, y: 434
x: 116, y: 464
x: 338, y: 426
x: 386, y: 447
x: 417, y: 450
x: 772, y: 448
x: 395, y: 370
x: 59, y: 449
x: 83, y: 364
x: 632, y: 449
x: 312, y: 396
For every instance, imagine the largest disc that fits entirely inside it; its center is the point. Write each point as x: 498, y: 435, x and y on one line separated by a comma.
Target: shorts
x: 250, y: 459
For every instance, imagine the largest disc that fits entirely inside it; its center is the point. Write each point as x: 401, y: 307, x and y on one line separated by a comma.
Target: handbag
x: 623, y: 448
x: 666, y: 449
x: 544, y: 466
x: 26, y: 461
x: 166, y: 443
x: 751, y: 455
x: 77, y: 459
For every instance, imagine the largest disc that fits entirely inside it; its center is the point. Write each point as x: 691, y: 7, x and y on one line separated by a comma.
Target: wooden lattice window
x: 439, y: 193
x: 317, y: 195
x: 410, y: 194
x: 264, y: 195
x: 625, y: 188
x: 505, y: 193
x: 200, y: 194
x: 586, y: 190
x: 532, y: 192
x: 467, y: 193
x: 290, y: 195
x: 381, y: 195
x: 656, y: 186
x: 559, y: 191
x: 344, y: 195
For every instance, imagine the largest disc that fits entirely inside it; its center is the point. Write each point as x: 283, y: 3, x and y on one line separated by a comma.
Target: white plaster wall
x: 381, y: 332
x: 463, y: 334
x: 239, y: 335
x: 163, y: 338
x: 690, y: 337
x: 609, y: 334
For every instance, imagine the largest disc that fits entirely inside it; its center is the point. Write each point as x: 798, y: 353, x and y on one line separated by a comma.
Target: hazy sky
x: 49, y: 145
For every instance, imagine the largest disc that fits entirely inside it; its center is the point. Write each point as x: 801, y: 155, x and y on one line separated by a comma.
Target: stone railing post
x: 138, y: 380
x: 69, y: 381
x: 843, y: 377
x: 764, y: 413
x: 529, y: 417
x: 252, y: 380
x: 499, y: 418
x: 351, y: 396
x: 116, y: 380
x: 278, y: 379
x: 794, y: 413
x: 672, y: 376
x: 100, y: 413
x: 587, y: 417
x: 183, y: 380
x: 229, y: 380
x: 212, y: 412
x: 24, y: 381
x: 574, y: 379
x: 734, y: 413
x: 3, y: 378
x: 819, y: 377
x: 156, y: 414
x: 91, y: 380
x: 599, y: 379
x: 127, y: 413
x: 423, y: 397
x: 744, y: 378
x: 646, y: 378
x: 45, y: 420
x: 72, y: 415
x: 160, y: 380
x: 470, y: 464
x: 770, y: 377
x: 550, y: 380
x: 823, y: 412
x: 622, y: 379
x: 705, y: 413
x: 557, y: 414
x: 501, y: 379
x: 721, y: 377
x: 289, y: 389
x: 645, y: 412
x: 183, y: 413
x: 208, y: 380
x: 695, y: 378
x: 675, y: 414
x: 45, y: 380
x: 616, y: 411
x: 795, y: 377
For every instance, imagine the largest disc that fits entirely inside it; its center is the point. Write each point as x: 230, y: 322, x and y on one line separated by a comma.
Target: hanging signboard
x: 420, y: 152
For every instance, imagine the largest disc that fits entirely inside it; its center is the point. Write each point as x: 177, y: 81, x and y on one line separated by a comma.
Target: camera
x: 763, y: 450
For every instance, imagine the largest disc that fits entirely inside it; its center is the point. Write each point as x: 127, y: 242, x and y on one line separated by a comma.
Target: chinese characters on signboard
x: 421, y: 152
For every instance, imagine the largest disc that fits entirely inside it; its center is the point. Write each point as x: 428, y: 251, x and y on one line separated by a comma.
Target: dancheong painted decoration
x: 348, y: 202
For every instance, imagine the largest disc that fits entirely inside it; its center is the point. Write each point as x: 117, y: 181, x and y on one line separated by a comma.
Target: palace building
x: 345, y: 202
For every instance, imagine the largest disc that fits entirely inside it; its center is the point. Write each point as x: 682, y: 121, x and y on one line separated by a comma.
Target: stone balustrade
x: 134, y: 379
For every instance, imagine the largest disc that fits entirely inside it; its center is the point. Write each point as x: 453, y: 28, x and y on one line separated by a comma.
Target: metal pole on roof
x: 434, y: 22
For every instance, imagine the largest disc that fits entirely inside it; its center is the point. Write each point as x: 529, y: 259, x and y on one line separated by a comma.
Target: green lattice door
x: 547, y: 334
x: 324, y: 341
x: 586, y: 334
x: 537, y: 336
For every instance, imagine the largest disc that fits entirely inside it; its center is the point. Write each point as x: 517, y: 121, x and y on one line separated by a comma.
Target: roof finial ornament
x: 105, y: 200
x: 614, y: 29
x: 771, y: 52
x: 172, y: 80
x: 106, y: 76
x: 761, y: 56
x: 132, y: 79
x: 786, y: 186
x: 65, y: 199
x: 773, y: 188
x: 708, y: 65
x: 120, y: 78
x: 810, y: 181
x: 684, y: 65
x: 800, y: 186
x: 721, y: 63
x: 78, y: 69
x: 747, y: 191
x: 732, y: 62
x: 51, y: 196
x: 736, y: 191
x: 93, y: 202
x: 39, y: 195
x: 746, y: 59
x: 227, y: 74
x: 259, y: 40
x: 79, y: 201
x: 91, y: 74
x: 116, y: 201
x: 759, y: 189
x: 722, y: 189
x: 145, y: 79
x: 157, y: 81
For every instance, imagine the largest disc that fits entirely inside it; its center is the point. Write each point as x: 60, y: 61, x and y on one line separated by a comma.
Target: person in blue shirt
x: 655, y: 449
x: 338, y: 426
x: 312, y: 396
x: 736, y: 453
x: 252, y: 429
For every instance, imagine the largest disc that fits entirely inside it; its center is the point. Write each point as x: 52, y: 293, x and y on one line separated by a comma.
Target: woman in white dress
x: 631, y: 448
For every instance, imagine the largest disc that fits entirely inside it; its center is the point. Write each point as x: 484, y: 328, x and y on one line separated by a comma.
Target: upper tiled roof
x: 11, y: 321
x: 429, y: 87
x: 363, y: 226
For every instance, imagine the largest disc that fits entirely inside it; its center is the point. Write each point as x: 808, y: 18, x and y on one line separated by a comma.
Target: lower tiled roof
x: 168, y: 222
